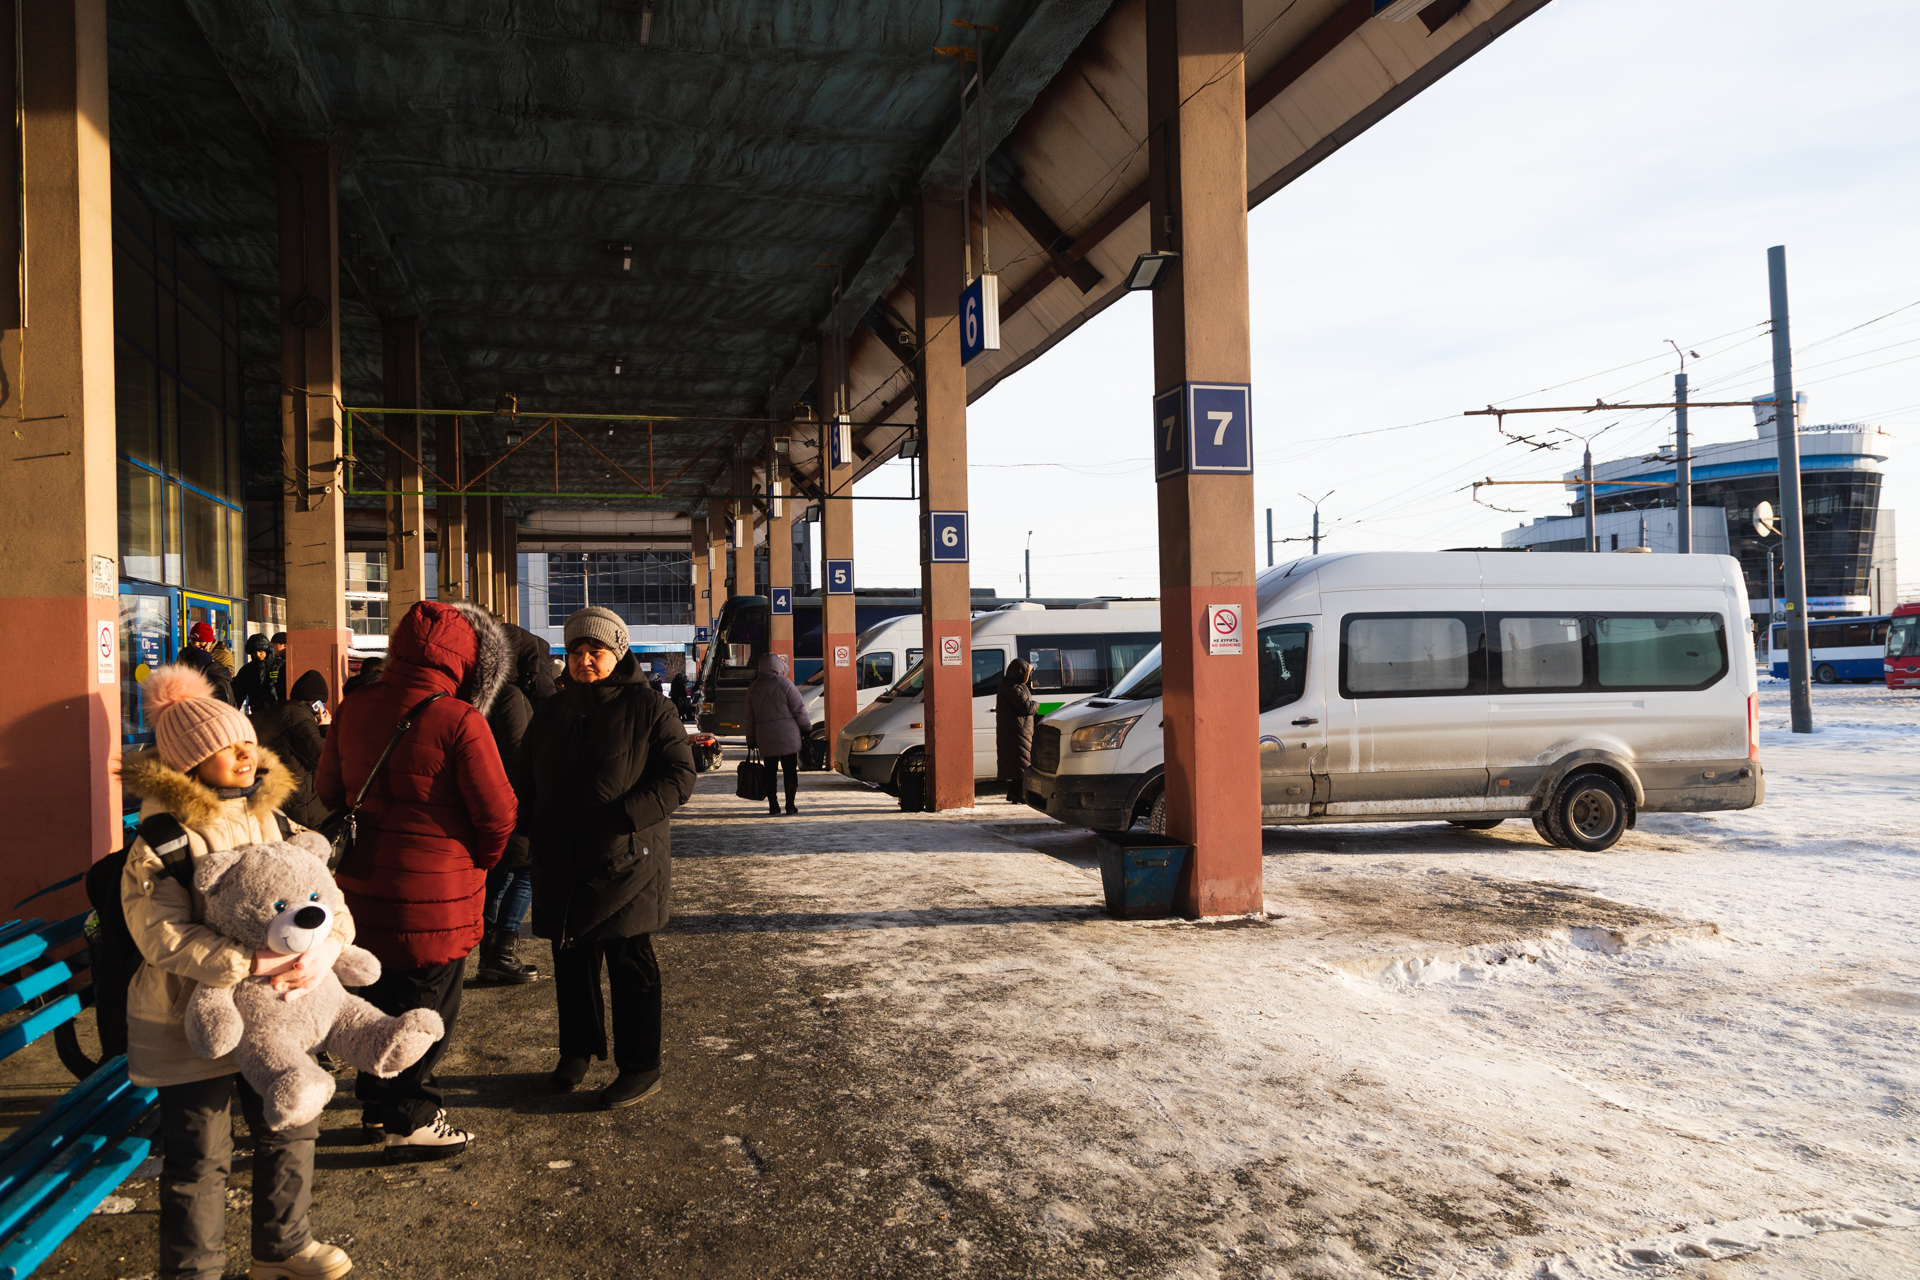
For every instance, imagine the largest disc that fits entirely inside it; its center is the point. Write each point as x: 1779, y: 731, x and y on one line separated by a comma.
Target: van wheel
x: 1589, y: 814
x: 1475, y: 824
x: 1825, y: 674
x: 1544, y: 831
x: 1157, y: 814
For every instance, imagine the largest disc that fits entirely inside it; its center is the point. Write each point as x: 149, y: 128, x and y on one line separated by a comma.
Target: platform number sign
x: 839, y: 577
x: 702, y: 635
x: 979, y: 318
x: 840, y: 442
x: 947, y: 537
x: 781, y: 600
x: 1203, y: 428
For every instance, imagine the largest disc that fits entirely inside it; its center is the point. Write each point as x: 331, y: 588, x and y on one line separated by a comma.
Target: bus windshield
x: 1903, y: 637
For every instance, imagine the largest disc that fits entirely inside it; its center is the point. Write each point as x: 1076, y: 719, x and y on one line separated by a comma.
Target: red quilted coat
x: 441, y: 812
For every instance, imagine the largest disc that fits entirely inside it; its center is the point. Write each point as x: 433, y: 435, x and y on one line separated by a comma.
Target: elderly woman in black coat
x: 1013, y: 710
x: 603, y: 765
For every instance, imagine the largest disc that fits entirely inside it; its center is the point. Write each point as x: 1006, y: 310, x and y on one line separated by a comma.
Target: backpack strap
x: 285, y: 824
x: 399, y: 731
x: 168, y: 839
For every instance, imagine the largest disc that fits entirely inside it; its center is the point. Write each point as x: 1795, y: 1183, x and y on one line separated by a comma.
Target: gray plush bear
x: 280, y: 897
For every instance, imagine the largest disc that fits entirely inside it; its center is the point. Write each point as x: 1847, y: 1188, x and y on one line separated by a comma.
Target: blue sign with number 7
x: 1203, y: 428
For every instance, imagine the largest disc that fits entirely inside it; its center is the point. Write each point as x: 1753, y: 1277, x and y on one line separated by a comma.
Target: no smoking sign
x: 949, y: 651
x: 1223, y: 629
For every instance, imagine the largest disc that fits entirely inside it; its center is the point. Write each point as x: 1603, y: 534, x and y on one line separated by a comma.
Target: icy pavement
x: 908, y: 1045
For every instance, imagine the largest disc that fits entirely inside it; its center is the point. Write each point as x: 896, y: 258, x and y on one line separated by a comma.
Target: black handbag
x: 341, y: 828
x: 753, y: 780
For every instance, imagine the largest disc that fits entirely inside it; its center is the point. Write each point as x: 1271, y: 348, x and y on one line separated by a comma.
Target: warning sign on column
x: 1223, y: 629
x: 104, y: 646
x: 842, y: 655
x: 949, y: 651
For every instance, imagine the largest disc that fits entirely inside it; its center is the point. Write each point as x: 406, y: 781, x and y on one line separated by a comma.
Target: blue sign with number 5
x: 947, y: 537
x: 1203, y: 428
x: 781, y: 600
x: 839, y: 577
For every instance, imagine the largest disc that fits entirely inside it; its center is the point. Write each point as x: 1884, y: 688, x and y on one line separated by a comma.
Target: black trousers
x: 410, y: 1100
x: 196, y: 1122
x: 790, y: 763
x: 633, y: 973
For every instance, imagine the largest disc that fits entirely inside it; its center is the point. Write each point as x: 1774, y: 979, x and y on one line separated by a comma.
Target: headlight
x: 866, y: 742
x: 1102, y: 737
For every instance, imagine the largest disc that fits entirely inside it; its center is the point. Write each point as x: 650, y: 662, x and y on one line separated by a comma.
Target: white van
x: 1577, y: 690
x: 1075, y: 653
x: 882, y: 656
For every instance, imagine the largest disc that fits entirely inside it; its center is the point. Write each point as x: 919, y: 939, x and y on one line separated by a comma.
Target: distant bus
x: 1903, y: 648
x: 1837, y: 649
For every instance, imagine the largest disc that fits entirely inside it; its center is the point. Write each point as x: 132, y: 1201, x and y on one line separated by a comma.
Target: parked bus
x: 1837, y: 649
x: 1902, y: 662
x: 1075, y: 653
x: 1575, y: 690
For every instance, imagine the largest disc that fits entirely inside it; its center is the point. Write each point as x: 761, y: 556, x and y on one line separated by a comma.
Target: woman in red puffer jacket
x: 436, y: 818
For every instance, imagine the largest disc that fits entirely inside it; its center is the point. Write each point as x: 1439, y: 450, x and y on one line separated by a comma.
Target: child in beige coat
x: 222, y: 788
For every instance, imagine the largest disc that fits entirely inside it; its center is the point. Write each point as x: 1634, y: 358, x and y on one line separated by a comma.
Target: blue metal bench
x: 57, y: 1170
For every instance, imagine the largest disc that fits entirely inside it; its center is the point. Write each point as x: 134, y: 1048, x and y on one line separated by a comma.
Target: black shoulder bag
x: 341, y: 828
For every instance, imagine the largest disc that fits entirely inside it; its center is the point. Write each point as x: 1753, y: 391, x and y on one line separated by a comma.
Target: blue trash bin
x: 1140, y: 872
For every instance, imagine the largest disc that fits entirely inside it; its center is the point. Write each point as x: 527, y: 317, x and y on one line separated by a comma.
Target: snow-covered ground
x: 1446, y: 1054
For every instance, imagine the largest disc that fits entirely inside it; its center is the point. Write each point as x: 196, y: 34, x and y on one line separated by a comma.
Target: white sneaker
x: 315, y: 1262
x: 434, y: 1141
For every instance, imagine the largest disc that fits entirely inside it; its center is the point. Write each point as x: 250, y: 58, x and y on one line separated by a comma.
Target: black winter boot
x: 499, y: 959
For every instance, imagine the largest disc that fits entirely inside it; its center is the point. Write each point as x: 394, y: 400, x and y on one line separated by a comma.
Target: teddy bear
x: 280, y: 897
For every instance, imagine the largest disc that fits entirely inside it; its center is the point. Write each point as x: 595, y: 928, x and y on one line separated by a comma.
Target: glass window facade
x: 646, y: 588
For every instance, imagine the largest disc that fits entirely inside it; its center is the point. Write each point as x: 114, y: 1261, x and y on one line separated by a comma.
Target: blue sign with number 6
x: 839, y: 577
x: 947, y: 537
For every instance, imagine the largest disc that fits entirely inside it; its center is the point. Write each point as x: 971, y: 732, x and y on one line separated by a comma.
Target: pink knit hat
x: 189, y: 723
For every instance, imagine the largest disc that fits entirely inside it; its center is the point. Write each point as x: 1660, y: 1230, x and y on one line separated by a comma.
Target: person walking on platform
x: 1013, y: 710
x: 678, y: 695
x: 776, y: 724
x: 601, y: 770
x: 277, y: 664
x: 198, y: 654
x: 297, y: 733
x: 253, y: 691
x: 436, y: 819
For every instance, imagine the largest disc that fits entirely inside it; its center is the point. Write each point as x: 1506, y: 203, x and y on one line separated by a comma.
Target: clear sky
x: 1606, y: 176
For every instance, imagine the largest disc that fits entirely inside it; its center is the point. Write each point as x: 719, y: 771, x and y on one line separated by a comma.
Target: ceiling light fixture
x: 513, y: 439
x: 1149, y: 269
x: 646, y: 23
x: 910, y: 447
x: 618, y: 361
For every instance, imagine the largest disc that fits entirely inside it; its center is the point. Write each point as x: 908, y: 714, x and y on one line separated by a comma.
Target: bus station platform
x: 915, y: 1045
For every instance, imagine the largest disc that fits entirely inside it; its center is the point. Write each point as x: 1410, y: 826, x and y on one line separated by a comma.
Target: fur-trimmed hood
x: 461, y: 641
x: 195, y: 803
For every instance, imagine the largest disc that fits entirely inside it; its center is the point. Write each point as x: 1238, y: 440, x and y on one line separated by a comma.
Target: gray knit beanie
x: 596, y: 623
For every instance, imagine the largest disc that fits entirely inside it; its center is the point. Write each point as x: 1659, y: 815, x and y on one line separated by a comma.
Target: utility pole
x: 1269, y: 537
x: 1029, y: 564
x: 1683, y: 452
x: 1593, y: 538
x: 1792, y: 535
x: 1316, y: 517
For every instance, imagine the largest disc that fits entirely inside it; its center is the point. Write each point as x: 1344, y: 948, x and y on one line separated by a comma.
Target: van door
x: 988, y: 664
x: 1293, y: 708
x: 1409, y: 732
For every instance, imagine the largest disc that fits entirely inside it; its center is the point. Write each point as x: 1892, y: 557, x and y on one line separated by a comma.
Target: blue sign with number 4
x: 839, y: 577
x: 1203, y: 428
x: 781, y: 600
x: 947, y: 537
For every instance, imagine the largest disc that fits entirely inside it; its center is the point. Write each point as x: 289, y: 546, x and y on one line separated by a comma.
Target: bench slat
x: 38, y: 1023
x: 14, y: 928
x: 28, y: 1249
x: 70, y: 1113
x: 34, y: 984
x: 121, y: 1118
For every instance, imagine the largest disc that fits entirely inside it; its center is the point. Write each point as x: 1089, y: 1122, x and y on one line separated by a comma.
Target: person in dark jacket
x: 532, y: 665
x: 251, y: 686
x: 1013, y: 709
x: 603, y: 766
x: 510, y: 883
x: 198, y: 654
x: 678, y: 696
x: 295, y: 732
x: 369, y: 673
x: 776, y: 724
x: 277, y: 664
x: 435, y: 821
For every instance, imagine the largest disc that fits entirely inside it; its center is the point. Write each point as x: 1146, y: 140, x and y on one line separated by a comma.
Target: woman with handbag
x: 776, y: 724
x: 601, y: 770
x: 433, y: 814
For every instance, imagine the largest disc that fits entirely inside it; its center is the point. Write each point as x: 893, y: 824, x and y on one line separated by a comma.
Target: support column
x: 451, y: 522
x: 480, y: 528
x: 717, y: 566
x: 59, y: 714
x: 743, y: 555
x: 1197, y: 149
x: 702, y: 580
x: 318, y: 638
x: 407, y: 512
x: 779, y: 550
x: 838, y: 628
x: 506, y: 563
x: 945, y: 599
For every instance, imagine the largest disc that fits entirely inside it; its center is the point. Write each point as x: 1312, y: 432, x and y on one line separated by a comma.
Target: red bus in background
x: 1903, y: 648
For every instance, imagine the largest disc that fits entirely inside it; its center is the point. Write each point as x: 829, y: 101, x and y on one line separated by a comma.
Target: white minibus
x: 882, y: 656
x: 1578, y: 690
x: 1075, y: 653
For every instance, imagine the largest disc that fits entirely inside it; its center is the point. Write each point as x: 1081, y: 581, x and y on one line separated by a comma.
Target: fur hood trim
x: 192, y: 801
x: 493, y: 661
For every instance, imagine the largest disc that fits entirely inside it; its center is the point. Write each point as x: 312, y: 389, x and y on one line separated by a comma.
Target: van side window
x: 1125, y: 651
x: 1399, y: 655
x: 876, y: 669
x: 1060, y: 669
x: 1659, y: 650
x: 1541, y: 653
x: 987, y: 666
x: 1283, y: 664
